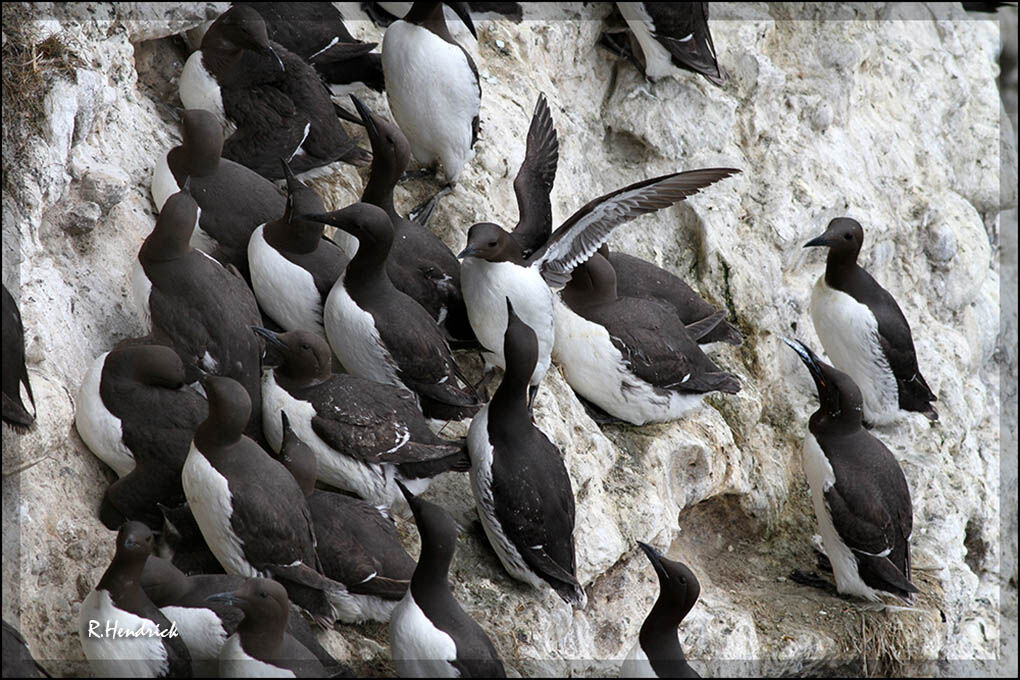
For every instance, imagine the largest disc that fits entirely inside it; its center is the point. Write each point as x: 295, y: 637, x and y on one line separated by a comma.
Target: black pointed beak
x: 226, y: 598
x: 463, y: 11
x: 271, y: 337
x: 655, y: 557
x: 467, y: 252
x: 186, y: 189
x: 822, y: 240
x: 812, y: 362
x: 367, y: 119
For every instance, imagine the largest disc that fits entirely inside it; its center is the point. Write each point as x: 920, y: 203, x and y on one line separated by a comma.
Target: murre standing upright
x: 276, y: 102
x: 135, y: 412
x: 666, y: 36
x: 118, y: 604
x: 520, y: 483
x: 430, y: 634
x: 494, y: 268
x: 234, y: 199
x: 657, y: 653
x: 860, y: 494
x: 631, y: 357
x: 365, y: 434
x: 262, y: 647
x: 203, y: 625
x: 381, y: 334
x: 420, y: 264
x: 251, y: 512
x: 15, y: 380
x: 864, y: 332
x: 358, y: 544
x: 293, y: 267
x: 432, y: 86
x: 200, y: 308
x: 315, y: 31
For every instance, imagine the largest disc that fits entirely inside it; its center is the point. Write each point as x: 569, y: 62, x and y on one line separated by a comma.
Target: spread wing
x: 590, y: 227
x: 534, y: 181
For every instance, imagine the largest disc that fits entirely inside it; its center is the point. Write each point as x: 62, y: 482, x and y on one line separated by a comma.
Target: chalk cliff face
x: 872, y: 112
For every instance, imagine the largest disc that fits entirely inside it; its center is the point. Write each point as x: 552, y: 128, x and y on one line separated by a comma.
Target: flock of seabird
x: 280, y: 356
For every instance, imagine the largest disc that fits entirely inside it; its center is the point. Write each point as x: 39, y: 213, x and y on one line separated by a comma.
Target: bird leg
x: 421, y: 213
x: 813, y: 580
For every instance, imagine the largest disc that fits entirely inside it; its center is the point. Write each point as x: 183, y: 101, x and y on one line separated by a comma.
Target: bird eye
x: 492, y: 244
x: 305, y: 345
x: 848, y: 236
x: 263, y: 594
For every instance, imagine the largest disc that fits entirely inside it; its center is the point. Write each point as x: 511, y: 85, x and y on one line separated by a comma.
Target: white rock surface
x: 889, y: 118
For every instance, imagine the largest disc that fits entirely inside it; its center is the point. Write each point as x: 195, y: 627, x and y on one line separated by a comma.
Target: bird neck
x: 379, y: 192
x: 840, y: 267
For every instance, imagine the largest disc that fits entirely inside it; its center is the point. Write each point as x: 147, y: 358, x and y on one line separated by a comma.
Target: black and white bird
x: 381, y: 334
x: 432, y: 86
x: 494, y: 268
x: 250, y: 509
x: 860, y: 494
x: 262, y: 647
x: 274, y: 102
x: 136, y: 414
x: 315, y: 31
x: 234, y: 200
x: 665, y: 36
x: 632, y: 357
x: 430, y: 634
x: 192, y: 303
x: 118, y: 603
x: 657, y: 653
x: 864, y: 332
x: 17, y: 657
x: 17, y: 389
x: 293, y: 267
x: 206, y: 625
x: 358, y: 543
x: 180, y: 540
x: 520, y: 483
x: 365, y: 434
x: 419, y: 264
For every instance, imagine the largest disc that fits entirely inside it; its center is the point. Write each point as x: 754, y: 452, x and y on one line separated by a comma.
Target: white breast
x: 352, y: 335
x: 481, y: 452
x: 200, y: 629
x: 235, y: 663
x: 597, y: 371
x: 849, y: 333
x: 658, y: 61
x: 126, y: 657
x: 199, y: 89
x: 99, y: 429
x: 286, y: 292
x: 821, y: 477
x: 163, y: 183
x: 374, y: 483
x: 433, y: 95
x: 210, y: 501
x: 419, y: 649
x: 487, y: 285
x: 636, y: 665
